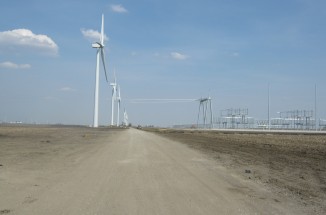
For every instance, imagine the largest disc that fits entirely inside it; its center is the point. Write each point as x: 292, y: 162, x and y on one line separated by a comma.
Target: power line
x: 160, y: 101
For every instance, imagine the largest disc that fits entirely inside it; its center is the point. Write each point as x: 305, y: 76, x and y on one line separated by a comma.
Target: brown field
x: 35, y: 158
x: 80, y: 170
x: 293, y: 165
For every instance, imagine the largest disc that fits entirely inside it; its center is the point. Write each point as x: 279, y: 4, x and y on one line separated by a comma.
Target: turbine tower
x: 204, y: 104
x: 100, y: 51
x: 114, y: 97
x: 119, y: 101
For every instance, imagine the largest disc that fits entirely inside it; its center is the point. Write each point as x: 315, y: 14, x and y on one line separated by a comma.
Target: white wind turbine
x: 100, y: 51
x: 119, y: 101
x: 125, y: 118
x: 114, y: 97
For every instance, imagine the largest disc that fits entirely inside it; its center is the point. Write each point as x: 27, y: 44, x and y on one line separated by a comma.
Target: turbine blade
x: 103, y: 61
x: 102, y: 31
x: 115, y: 77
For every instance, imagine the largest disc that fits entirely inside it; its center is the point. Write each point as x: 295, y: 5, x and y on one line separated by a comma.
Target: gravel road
x: 88, y: 171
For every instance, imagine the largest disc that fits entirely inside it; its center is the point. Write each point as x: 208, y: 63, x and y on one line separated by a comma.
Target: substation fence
x: 294, y: 120
x: 293, y: 123
x: 235, y: 122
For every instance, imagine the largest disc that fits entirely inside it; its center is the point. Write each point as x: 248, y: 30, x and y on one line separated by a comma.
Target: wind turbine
x: 119, y: 101
x: 125, y: 118
x: 100, y: 51
x: 114, y: 97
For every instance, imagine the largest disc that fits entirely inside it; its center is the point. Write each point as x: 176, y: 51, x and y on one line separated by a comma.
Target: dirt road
x: 83, y: 171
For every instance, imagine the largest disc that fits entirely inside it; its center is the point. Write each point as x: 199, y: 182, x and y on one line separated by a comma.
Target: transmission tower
x: 204, y: 111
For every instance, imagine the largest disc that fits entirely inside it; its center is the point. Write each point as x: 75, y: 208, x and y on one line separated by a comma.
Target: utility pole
x: 316, y: 107
x: 268, y: 109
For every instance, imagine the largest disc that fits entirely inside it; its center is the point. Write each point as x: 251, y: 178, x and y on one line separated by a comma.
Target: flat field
x: 36, y: 159
x: 293, y: 165
x: 80, y: 170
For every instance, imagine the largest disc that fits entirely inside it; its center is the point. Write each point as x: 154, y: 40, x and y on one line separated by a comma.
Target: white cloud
x: 26, y: 38
x: 66, y: 89
x: 92, y: 35
x: 235, y: 54
x: 178, y: 56
x: 11, y: 65
x: 118, y: 8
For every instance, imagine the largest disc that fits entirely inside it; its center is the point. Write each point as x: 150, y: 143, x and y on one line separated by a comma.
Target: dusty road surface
x: 101, y: 171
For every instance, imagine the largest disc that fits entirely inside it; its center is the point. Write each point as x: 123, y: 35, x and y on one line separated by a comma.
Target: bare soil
x: 80, y: 170
x: 292, y: 165
x: 34, y: 158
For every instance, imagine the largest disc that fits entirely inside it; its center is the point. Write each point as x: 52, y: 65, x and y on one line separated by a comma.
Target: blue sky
x: 228, y: 49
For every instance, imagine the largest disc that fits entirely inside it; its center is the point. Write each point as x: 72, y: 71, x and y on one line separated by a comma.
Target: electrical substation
x: 234, y: 118
x: 294, y: 120
x: 239, y: 118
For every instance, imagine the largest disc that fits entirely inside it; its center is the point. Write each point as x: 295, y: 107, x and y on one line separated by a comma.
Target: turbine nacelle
x: 97, y: 45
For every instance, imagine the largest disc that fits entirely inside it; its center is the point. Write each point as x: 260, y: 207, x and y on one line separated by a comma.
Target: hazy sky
x: 169, y: 49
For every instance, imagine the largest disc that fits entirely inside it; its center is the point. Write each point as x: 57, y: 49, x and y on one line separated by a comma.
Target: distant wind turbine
x: 114, y: 97
x: 119, y: 101
x: 125, y: 118
x: 100, y: 51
